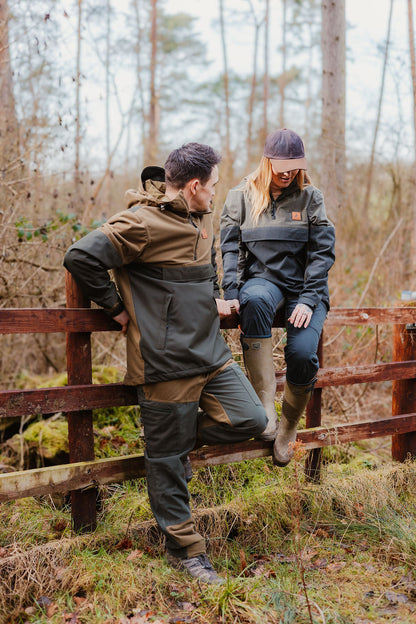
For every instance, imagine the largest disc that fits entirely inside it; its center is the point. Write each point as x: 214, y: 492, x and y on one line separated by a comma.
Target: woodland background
x: 92, y: 91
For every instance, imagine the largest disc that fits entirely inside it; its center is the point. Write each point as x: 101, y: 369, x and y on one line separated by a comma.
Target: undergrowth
x: 349, y: 541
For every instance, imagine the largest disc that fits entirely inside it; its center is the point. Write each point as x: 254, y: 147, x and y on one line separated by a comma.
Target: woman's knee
x: 302, y: 367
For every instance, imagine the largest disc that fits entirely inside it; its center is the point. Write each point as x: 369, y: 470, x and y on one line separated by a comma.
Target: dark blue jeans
x: 259, y: 301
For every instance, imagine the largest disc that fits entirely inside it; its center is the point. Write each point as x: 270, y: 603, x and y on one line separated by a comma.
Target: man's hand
x: 227, y: 308
x: 301, y: 315
x: 123, y: 319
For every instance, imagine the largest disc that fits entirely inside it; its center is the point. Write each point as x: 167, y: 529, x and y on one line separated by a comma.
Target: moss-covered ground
x: 341, y: 551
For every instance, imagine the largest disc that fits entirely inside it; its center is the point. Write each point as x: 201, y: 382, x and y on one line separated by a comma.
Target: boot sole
x: 281, y: 464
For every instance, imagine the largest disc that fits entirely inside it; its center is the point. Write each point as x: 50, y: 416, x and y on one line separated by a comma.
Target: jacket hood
x: 153, y: 193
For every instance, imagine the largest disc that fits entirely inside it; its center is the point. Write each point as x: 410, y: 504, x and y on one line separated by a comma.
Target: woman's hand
x: 301, y: 315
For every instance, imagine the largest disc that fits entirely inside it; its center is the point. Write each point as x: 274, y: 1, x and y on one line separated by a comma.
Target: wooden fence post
x: 403, y: 445
x: 80, y: 430
x: 313, y: 419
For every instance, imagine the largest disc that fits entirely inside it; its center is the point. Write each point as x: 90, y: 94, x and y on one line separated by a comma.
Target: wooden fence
x: 83, y: 474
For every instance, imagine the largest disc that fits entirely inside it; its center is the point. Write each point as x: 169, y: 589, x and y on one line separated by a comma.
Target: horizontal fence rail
x: 15, y: 403
x: 53, y: 320
x: 85, y: 475
x: 81, y: 396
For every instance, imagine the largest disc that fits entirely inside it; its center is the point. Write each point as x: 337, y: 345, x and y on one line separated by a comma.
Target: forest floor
x: 291, y: 551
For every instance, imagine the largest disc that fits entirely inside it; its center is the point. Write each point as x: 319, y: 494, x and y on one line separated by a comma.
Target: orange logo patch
x: 204, y: 233
x: 296, y: 216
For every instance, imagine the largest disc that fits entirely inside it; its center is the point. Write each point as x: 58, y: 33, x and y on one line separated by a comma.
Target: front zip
x: 197, y: 238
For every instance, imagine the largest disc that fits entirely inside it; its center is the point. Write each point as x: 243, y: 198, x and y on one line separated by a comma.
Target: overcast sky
x: 367, y: 22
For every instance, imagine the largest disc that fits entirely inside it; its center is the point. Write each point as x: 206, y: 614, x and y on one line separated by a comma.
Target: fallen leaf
x: 334, y: 567
x: 318, y: 564
x: 60, y: 573
x: 135, y: 554
x: 124, y: 544
x: 394, y: 598
x: 308, y: 555
x: 186, y: 606
x: 285, y: 558
x: 51, y: 610
x: 71, y: 618
x: 44, y: 602
x: 261, y: 571
x: 79, y: 600
x: 118, y: 441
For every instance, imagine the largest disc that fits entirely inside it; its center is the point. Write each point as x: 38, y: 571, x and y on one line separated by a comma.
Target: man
x: 167, y: 302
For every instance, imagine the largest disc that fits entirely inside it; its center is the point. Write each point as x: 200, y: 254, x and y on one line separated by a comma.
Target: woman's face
x: 282, y: 179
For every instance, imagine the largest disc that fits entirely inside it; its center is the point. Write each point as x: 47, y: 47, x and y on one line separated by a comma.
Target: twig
x: 383, y: 249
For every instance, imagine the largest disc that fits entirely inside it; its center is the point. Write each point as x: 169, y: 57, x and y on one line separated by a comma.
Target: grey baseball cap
x: 285, y: 148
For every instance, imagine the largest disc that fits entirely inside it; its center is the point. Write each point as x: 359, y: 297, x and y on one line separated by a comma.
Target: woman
x: 277, y: 246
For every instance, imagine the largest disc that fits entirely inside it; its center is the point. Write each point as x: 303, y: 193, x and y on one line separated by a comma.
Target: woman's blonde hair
x: 257, y: 189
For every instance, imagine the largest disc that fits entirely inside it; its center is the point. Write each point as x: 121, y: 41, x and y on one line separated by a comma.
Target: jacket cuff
x: 115, y: 310
x: 311, y: 303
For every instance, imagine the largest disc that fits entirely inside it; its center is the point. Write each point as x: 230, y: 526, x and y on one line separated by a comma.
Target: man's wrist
x: 115, y: 310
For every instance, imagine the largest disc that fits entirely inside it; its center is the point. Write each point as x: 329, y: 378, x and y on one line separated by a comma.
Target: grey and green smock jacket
x: 162, y: 259
x: 292, y: 244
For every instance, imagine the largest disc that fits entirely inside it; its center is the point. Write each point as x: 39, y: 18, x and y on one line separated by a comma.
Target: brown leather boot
x: 258, y: 360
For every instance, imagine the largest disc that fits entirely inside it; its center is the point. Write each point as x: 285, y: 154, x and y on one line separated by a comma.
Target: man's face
x: 200, y: 197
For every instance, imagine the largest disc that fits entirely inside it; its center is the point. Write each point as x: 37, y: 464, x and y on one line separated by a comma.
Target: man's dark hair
x: 192, y: 160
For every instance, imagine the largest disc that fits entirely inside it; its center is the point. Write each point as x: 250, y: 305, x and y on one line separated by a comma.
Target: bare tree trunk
x: 252, y: 97
x: 309, y: 81
x: 107, y: 107
x: 282, y: 81
x: 140, y: 155
x: 380, y: 101
x: 333, y: 105
x: 9, y: 128
x: 153, y: 137
x: 226, y: 89
x: 77, y: 172
x: 266, y: 79
x: 413, y: 72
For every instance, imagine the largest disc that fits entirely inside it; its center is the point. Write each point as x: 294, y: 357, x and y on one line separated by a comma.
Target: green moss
x: 100, y: 375
x: 46, y: 440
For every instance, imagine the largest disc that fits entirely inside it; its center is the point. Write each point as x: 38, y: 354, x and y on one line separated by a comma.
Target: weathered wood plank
x: 371, y: 316
x: 346, y: 375
x: 49, y: 320
x: 75, y: 476
x: 80, y: 427
x: 15, y: 403
x: 65, y: 399
x: 349, y: 316
x: 313, y: 419
x: 403, y: 392
x: 82, y: 475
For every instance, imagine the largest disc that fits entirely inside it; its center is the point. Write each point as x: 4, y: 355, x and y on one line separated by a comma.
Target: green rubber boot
x: 258, y: 360
x: 295, y: 399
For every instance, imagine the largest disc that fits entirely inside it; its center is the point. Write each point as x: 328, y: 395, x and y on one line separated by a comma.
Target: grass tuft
x: 348, y: 541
